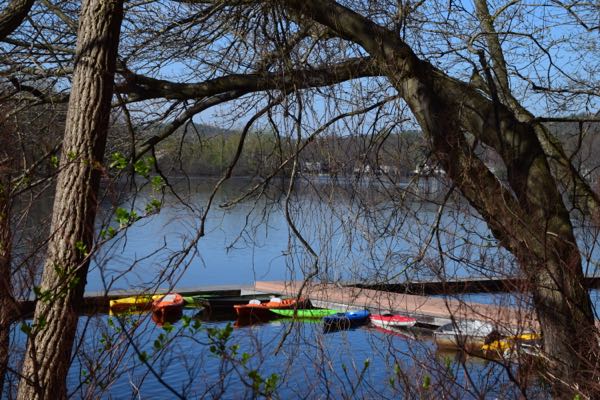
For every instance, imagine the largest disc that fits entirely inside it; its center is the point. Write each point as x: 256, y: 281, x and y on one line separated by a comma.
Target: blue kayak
x: 346, y: 320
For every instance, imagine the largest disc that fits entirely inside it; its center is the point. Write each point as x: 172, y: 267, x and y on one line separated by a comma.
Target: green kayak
x: 310, y: 313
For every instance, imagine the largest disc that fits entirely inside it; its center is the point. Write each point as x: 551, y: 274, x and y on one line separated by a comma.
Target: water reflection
x: 356, y: 235
x: 169, y: 315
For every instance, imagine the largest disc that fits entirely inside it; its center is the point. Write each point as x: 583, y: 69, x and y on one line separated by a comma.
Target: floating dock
x: 429, y: 311
x: 463, y: 285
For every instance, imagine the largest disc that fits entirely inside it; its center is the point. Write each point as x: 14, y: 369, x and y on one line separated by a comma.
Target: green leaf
x: 144, y: 166
x: 157, y: 183
x: 118, y: 161
x: 426, y: 382
x: 41, y: 322
x: 54, y: 161
x: 82, y: 248
x: 153, y: 206
x: 26, y: 328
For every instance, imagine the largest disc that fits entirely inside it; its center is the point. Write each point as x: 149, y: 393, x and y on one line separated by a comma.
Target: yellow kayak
x: 509, y: 342
x: 134, y: 302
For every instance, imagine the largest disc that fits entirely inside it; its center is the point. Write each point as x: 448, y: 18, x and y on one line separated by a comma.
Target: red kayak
x: 262, y: 310
x: 392, y: 320
x: 168, y: 303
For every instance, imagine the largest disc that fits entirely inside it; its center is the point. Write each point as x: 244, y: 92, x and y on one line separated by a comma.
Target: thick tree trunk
x: 7, y: 304
x: 529, y: 218
x: 54, y: 326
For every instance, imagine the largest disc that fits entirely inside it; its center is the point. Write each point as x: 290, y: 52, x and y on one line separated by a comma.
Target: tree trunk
x: 7, y: 305
x: 48, y: 355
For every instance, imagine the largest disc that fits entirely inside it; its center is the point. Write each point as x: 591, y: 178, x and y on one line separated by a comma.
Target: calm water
x: 356, y: 236
x: 358, y: 363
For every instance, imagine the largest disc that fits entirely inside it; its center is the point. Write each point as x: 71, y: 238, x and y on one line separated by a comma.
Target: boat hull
x: 392, y: 321
x: 305, y: 313
x: 466, y: 335
x: 264, y: 310
x: 340, y: 321
x: 133, y: 303
x: 457, y: 341
x: 168, y: 304
x: 509, y: 344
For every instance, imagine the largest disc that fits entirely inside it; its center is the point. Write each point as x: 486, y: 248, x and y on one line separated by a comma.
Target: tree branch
x: 13, y: 16
x: 139, y: 87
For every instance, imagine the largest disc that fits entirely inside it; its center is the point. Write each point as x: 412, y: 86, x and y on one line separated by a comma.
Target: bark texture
x: 528, y: 217
x: 7, y: 304
x: 54, y: 326
x: 13, y: 15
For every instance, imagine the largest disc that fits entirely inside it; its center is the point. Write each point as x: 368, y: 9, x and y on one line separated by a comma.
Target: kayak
x: 168, y: 303
x: 263, y: 310
x: 305, y: 313
x: 142, y: 302
x: 510, y: 342
x: 392, y: 320
x: 346, y: 320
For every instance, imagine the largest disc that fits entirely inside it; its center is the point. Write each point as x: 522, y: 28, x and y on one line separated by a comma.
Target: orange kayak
x: 168, y: 302
x: 262, y: 310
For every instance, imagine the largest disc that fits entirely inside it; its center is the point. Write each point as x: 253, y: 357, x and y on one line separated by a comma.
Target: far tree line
x: 205, y: 150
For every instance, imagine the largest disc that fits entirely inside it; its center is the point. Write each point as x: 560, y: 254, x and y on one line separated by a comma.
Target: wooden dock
x: 463, y: 285
x: 431, y: 311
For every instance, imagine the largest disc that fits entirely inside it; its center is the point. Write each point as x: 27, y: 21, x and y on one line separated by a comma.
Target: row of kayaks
x: 261, y: 307
x: 470, y: 335
x: 332, y: 319
x: 214, y: 301
x: 157, y: 302
x: 165, y: 307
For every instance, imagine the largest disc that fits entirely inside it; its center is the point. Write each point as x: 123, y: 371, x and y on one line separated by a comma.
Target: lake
x: 354, y: 230
x: 350, y: 231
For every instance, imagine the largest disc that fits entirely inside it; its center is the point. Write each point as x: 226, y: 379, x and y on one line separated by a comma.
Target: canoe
x: 142, y: 302
x: 256, y: 309
x: 392, y: 320
x: 305, y: 313
x: 346, y: 320
x: 463, y: 334
x: 168, y: 303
